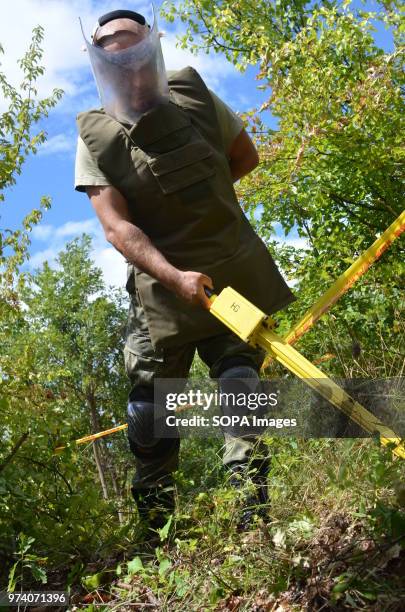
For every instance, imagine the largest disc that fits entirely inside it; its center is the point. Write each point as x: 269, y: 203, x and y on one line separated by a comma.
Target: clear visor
x: 131, y: 80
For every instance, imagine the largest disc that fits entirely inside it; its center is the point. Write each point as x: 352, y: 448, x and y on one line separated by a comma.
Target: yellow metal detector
x: 247, y: 327
x: 255, y: 328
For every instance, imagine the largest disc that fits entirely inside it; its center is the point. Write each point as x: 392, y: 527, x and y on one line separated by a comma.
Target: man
x: 158, y: 162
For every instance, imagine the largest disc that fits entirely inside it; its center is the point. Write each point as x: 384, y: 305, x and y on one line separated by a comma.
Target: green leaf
x: 341, y: 587
x: 164, y: 565
x: 39, y: 574
x: 12, y: 580
x: 93, y: 581
x: 164, y: 531
x: 368, y: 595
x: 135, y: 566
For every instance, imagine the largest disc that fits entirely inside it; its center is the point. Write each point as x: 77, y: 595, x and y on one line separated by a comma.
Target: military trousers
x: 144, y: 363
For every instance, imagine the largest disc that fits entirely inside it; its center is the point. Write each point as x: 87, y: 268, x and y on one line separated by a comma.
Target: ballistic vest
x: 174, y: 173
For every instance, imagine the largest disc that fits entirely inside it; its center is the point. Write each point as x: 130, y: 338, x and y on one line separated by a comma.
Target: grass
x: 333, y: 541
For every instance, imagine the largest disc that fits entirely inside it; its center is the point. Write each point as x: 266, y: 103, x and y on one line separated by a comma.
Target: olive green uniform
x: 89, y: 174
x: 174, y: 173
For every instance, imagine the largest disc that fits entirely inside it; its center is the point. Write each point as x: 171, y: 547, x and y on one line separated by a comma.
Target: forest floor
x: 334, y: 540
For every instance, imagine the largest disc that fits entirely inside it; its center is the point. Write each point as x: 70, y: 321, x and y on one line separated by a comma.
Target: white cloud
x: 66, y: 65
x: 63, y: 58
x: 45, y: 231
x: 213, y: 68
x: 41, y: 232
x: 297, y: 243
x: 111, y: 262
x: 75, y: 228
x: 60, y: 143
x: 37, y: 259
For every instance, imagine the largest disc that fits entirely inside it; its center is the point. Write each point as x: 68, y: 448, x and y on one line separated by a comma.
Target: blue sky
x: 51, y: 171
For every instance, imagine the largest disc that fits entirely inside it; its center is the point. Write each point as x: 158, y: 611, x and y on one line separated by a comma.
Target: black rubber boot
x: 155, y: 505
x: 253, y: 477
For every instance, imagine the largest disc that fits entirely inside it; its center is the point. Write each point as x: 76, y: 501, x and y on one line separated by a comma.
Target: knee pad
x: 236, y: 361
x: 143, y: 443
x: 140, y: 418
x: 145, y: 393
x: 239, y: 371
x: 239, y: 379
x: 239, y: 384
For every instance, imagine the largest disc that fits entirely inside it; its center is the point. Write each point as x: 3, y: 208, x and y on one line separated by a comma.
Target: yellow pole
x: 345, y: 281
x: 107, y: 432
x: 253, y: 326
x: 317, y: 380
x: 91, y: 437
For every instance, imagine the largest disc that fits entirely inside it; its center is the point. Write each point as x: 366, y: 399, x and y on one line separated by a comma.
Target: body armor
x: 174, y: 173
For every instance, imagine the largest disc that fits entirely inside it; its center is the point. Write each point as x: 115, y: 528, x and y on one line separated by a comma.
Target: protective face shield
x: 131, y: 80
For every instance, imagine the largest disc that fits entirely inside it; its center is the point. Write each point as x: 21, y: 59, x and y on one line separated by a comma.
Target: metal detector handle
x: 209, y: 292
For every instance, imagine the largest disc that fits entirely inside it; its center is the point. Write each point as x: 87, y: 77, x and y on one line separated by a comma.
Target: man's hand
x: 190, y: 287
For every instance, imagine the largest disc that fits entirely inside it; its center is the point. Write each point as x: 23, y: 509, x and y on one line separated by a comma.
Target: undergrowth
x: 333, y: 540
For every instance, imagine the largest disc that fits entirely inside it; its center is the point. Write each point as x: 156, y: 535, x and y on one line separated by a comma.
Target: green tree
x: 334, y: 169
x: 63, y: 377
x: 17, y: 141
x: 24, y: 110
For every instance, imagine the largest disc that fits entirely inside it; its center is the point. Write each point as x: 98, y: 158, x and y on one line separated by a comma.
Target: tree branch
x: 14, y: 450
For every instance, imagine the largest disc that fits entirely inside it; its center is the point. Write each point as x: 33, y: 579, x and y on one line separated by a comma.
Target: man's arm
x: 239, y: 148
x: 112, y: 210
x: 243, y: 156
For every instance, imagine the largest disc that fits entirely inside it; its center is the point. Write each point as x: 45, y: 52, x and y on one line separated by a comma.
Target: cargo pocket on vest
x: 183, y: 167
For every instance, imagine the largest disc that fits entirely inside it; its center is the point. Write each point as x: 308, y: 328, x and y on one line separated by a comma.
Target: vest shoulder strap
x: 188, y: 88
x: 103, y: 134
x: 189, y: 91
